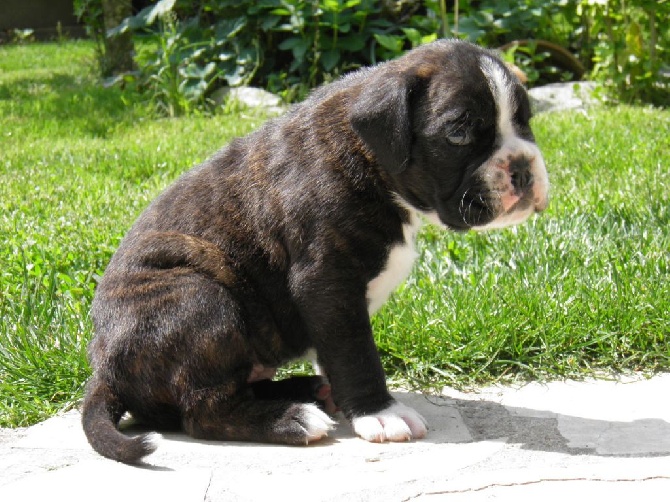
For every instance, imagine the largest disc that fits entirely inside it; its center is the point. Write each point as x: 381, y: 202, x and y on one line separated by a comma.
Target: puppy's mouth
x: 475, y: 206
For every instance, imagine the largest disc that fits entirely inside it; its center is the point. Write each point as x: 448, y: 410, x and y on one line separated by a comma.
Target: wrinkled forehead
x: 469, y: 83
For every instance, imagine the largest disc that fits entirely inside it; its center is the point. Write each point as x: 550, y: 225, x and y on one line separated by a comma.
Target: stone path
x: 604, y: 439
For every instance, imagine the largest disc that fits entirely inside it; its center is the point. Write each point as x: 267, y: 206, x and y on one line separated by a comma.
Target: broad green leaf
x: 390, y: 42
x: 329, y: 59
x: 413, y: 35
x: 229, y: 28
x: 353, y: 43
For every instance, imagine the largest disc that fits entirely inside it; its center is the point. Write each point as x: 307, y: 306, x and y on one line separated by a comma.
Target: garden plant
x: 289, y: 46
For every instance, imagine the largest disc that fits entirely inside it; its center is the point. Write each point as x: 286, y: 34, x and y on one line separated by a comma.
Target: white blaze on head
x: 502, y: 89
x: 510, y: 145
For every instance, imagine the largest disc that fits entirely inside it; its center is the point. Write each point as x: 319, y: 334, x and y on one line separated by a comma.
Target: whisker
x: 472, y: 201
x: 461, y: 208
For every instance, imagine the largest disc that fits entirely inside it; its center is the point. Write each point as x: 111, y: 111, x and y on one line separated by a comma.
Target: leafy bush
x: 285, y: 46
x: 290, y: 46
x: 495, y: 22
x: 627, y: 42
x: 533, y: 33
x: 90, y: 13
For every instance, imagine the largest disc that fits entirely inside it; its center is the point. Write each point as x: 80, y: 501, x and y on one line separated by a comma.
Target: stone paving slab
x: 587, y: 439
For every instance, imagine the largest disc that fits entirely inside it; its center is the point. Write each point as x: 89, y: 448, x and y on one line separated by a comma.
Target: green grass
x: 79, y: 163
x: 583, y: 288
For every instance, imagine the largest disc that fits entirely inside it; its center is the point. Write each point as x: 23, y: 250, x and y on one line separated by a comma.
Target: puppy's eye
x: 460, y: 137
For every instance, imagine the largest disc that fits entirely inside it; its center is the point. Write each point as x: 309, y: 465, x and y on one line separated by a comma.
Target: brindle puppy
x: 285, y: 242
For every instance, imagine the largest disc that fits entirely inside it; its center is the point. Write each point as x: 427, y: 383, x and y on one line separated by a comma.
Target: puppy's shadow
x: 453, y: 421
x: 542, y: 430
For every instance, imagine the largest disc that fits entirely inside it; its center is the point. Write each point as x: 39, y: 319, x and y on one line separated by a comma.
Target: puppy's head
x: 449, y: 123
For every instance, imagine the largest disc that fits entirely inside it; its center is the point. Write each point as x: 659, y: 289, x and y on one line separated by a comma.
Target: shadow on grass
x: 70, y: 105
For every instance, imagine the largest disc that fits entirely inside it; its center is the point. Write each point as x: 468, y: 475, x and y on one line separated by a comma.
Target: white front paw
x: 396, y: 423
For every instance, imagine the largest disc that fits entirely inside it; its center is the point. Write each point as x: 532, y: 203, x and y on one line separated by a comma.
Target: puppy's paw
x: 315, y: 422
x: 303, y: 424
x: 396, y: 423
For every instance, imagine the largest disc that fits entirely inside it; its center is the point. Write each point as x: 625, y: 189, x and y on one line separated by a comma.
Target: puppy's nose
x: 522, y: 178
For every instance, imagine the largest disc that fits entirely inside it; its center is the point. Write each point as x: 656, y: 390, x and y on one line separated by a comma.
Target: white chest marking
x: 399, y: 264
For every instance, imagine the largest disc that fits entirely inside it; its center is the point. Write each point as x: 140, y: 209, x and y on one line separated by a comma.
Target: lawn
x: 581, y: 289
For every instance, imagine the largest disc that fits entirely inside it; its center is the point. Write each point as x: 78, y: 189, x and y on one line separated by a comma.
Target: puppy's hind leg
x: 305, y: 389
x: 217, y: 400
x: 214, y: 414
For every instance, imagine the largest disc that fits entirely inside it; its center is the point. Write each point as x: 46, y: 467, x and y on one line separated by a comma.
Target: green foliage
x: 536, y: 63
x: 495, y: 22
x: 43, y: 354
x: 629, y: 46
x: 287, y: 46
x: 178, y: 75
x: 290, y: 46
x: 90, y: 13
x: 621, y: 43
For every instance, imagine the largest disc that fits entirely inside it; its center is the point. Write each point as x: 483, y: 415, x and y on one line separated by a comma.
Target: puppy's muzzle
x: 516, y: 178
x: 520, y: 177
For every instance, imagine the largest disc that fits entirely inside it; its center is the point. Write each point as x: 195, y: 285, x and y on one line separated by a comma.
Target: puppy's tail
x: 100, y: 417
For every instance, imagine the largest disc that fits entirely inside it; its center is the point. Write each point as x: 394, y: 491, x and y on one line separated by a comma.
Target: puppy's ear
x: 381, y: 116
x: 520, y: 74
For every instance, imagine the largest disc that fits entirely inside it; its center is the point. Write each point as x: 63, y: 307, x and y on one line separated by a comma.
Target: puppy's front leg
x: 341, y: 332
